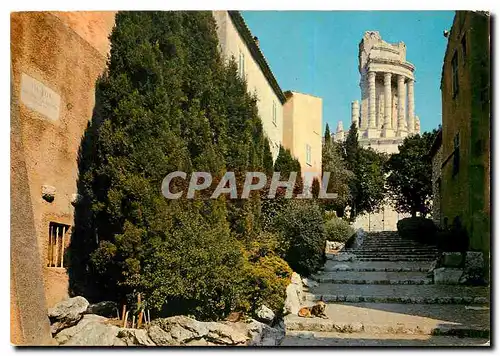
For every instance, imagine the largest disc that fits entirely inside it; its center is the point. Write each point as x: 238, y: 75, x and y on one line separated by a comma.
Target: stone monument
x: 386, y: 113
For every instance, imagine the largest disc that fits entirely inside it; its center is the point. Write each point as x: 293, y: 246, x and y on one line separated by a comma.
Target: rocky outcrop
x: 96, y: 330
x: 105, y: 308
x: 67, y: 313
x: 265, y: 314
x: 334, y: 245
x: 294, y: 295
x: 181, y: 330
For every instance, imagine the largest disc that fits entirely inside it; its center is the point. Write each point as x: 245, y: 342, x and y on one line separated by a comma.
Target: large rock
x: 67, y: 313
x: 294, y: 295
x: 96, y: 334
x: 447, y: 275
x: 265, y: 314
x: 295, y: 279
x: 224, y: 334
x: 92, y: 330
x: 334, y: 245
x: 263, y: 335
x: 309, y: 283
x: 135, y: 337
x: 181, y: 330
x: 292, y: 301
x: 105, y: 308
x: 452, y: 259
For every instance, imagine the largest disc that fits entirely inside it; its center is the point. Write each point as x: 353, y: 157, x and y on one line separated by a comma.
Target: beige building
x: 386, y: 113
x: 236, y: 40
x: 302, y: 122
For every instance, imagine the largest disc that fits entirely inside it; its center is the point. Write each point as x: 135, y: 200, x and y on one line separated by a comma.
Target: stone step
x: 395, y: 250
x: 373, y: 278
x: 398, y: 244
x: 379, y: 257
x: 376, y: 318
x: 395, y: 247
x: 399, y: 293
x: 397, y: 258
x: 334, y: 339
x: 392, y: 250
x: 383, y: 254
x: 377, y: 266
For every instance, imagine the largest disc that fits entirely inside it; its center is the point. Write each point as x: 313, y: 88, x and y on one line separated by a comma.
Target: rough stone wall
x: 436, y: 189
x: 55, y: 71
x: 468, y: 115
x: 29, y: 324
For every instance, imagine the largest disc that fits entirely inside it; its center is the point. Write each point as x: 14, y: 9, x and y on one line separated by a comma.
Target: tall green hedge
x: 168, y: 102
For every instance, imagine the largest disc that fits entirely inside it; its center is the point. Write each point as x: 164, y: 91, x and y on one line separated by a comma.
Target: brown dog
x: 317, y: 310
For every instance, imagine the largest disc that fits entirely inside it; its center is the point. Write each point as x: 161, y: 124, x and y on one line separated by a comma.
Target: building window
x: 274, y: 114
x: 454, y: 73
x: 308, y: 154
x: 57, y: 241
x: 241, y: 65
x: 456, y: 154
x: 464, y: 48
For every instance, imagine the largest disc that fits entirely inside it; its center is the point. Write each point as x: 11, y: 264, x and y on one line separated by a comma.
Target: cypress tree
x: 167, y: 103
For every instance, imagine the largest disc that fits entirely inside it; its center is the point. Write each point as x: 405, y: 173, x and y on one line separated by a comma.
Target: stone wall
x: 29, y: 324
x: 465, y: 193
x: 56, y: 60
x: 437, y: 159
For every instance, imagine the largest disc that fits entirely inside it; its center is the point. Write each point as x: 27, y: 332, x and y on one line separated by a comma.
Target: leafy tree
x: 328, y: 136
x: 367, y: 188
x: 410, y: 175
x: 334, y: 162
x: 286, y: 163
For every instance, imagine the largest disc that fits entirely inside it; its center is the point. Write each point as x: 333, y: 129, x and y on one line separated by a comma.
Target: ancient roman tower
x: 385, y: 115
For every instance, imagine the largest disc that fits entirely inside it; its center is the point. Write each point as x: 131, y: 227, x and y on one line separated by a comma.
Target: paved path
x: 387, y: 299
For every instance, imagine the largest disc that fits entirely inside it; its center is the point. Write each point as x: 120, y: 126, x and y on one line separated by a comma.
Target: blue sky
x: 316, y: 52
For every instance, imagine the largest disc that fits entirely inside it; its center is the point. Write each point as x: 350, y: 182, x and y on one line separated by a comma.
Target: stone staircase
x: 383, y: 296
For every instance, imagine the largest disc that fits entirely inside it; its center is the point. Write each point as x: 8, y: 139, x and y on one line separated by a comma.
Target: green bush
x: 265, y: 279
x: 329, y: 214
x: 339, y: 230
x: 303, y: 238
x: 418, y: 229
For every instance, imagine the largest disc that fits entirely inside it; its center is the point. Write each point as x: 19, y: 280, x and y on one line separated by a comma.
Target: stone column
x: 372, y: 131
x: 355, y: 113
x: 411, y: 106
x: 380, y: 112
x: 363, y: 125
x: 371, y: 100
x: 401, y: 106
x: 388, y: 105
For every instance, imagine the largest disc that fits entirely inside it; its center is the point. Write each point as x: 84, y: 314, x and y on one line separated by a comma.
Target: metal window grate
x: 57, y: 242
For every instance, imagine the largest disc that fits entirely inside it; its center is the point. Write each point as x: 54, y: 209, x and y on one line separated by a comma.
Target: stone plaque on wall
x: 38, y: 97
